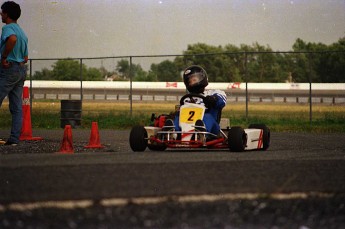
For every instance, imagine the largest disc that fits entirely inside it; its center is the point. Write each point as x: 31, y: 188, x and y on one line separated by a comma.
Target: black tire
x: 138, y: 138
x: 156, y: 147
x: 237, y: 139
x: 266, y: 136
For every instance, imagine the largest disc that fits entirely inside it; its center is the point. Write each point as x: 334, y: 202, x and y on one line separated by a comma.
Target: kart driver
x: 195, y: 80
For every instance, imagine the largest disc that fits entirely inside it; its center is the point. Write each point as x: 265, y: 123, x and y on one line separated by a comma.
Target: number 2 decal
x: 191, y: 115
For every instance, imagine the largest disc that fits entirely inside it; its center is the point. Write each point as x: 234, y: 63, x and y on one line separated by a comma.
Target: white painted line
x: 114, y: 202
x: 300, y: 195
x: 150, y: 200
x: 212, y: 198
x: 68, y: 204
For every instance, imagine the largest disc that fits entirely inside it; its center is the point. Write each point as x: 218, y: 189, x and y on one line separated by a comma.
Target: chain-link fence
x: 246, y: 77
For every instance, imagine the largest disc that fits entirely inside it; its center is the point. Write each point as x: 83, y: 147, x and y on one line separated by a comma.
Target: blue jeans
x: 11, y: 85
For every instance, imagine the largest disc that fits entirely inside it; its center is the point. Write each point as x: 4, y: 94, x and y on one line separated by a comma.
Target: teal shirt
x: 20, y: 50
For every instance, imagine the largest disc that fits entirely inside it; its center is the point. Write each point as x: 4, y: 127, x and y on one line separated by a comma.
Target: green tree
x: 139, y: 74
x: 311, y: 61
x: 67, y: 70
x: 228, y: 64
x: 123, y: 67
x: 93, y: 74
x: 283, y: 68
x: 165, y: 71
x: 45, y: 74
x: 153, y: 73
x: 208, y: 60
x: 262, y: 63
x: 308, y: 61
x: 234, y: 64
x: 332, y: 64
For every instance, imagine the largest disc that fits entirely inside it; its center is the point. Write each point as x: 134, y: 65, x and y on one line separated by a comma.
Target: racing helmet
x: 195, y: 79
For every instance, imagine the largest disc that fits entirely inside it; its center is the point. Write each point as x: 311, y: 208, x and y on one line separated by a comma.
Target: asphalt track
x: 297, y: 183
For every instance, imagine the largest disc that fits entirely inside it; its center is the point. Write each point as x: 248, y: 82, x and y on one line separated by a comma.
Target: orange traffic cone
x: 26, y: 132
x: 94, y: 137
x: 67, y: 142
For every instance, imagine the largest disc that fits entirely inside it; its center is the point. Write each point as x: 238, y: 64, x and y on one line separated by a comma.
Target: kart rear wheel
x: 237, y: 139
x: 266, y: 136
x: 138, y: 138
x: 156, y: 147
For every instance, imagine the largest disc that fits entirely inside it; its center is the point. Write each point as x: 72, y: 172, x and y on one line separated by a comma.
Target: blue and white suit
x: 211, y: 114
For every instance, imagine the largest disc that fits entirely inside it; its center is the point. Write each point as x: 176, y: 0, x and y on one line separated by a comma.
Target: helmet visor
x: 195, y: 79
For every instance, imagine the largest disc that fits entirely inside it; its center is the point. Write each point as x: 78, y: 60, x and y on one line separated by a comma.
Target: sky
x: 102, y: 28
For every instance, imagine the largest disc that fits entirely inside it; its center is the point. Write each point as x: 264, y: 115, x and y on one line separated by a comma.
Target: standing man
x: 14, y: 55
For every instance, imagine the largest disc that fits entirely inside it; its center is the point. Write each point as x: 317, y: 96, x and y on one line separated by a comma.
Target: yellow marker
x: 191, y: 114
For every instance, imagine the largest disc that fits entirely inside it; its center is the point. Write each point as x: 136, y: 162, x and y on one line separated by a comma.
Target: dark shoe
x: 8, y: 143
x: 168, y: 125
x: 200, y: 126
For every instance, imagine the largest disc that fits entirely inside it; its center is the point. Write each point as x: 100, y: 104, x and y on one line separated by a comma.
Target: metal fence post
x: 30, y: 86
x: 310, y: 91
x: 130, y: 87
x: 81, y: 79
x: 246, y: 79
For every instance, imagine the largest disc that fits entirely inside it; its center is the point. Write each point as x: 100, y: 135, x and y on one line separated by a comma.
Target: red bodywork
x: 218, y: 143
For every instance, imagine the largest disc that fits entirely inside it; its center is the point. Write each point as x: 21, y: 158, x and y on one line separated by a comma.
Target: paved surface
x: 297, y: 183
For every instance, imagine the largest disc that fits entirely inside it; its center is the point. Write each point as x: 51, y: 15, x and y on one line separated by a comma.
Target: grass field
x: 117, y: 115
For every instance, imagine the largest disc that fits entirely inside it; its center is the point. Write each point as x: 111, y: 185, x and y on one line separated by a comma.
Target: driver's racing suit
x: 211, y: 114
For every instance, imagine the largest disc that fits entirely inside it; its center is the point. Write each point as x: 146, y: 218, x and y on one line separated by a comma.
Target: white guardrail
x: 180, y: 85
x: 120, y: 90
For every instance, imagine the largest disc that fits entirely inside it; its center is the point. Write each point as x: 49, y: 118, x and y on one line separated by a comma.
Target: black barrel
x: 70, y: 113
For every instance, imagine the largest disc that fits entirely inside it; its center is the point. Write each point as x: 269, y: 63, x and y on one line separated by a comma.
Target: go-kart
x: 159, y: 137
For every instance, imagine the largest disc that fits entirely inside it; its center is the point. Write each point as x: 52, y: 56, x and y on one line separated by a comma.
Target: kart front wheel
x: 138, y: 138
x: 237, y: 139
x: 266, y: 135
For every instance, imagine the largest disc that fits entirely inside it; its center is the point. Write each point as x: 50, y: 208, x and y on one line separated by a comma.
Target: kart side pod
x: 151, y: 130
x: 255, y: 137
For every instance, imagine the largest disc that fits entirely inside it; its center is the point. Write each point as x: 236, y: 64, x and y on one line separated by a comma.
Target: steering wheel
x: 190, y: 96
